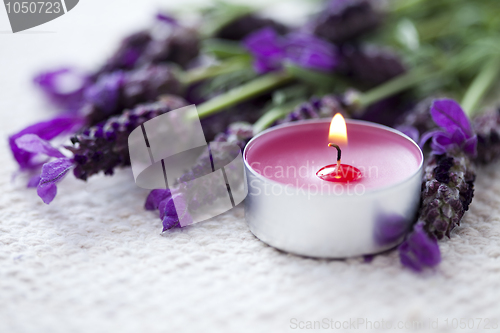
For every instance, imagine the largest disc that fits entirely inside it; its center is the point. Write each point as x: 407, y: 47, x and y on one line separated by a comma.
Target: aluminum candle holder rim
x: 352, y: 121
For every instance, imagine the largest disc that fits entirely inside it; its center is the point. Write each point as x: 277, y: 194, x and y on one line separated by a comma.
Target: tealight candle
x: 298, y: 201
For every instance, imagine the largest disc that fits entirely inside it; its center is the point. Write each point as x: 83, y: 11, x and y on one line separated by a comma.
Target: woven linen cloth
x: 94, y: 260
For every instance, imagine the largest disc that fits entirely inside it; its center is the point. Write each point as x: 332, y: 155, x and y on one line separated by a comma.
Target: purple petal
x: 264, y: 42
x: 407, y: 258
x: 47, y: 192
x: 34, y: 181
x: 52, y: 173
x: 64, y: 87
x: 449, y: 115
x: 311, y: 52
x: 427, y: 136
x: 33, y: 144
x: 155, y: 197
x: 419, y: 250
x: 46, y: 130
x: 442, y: 142
x: 267, y: 49
x: 442, y: 139
x: 437, y: 148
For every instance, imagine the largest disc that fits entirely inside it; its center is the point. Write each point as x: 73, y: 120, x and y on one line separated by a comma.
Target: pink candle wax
x: 293, y: 154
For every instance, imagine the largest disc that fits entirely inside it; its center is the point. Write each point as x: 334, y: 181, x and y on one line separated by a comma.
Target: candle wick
x: 339, y: 152
x: 339, y: 155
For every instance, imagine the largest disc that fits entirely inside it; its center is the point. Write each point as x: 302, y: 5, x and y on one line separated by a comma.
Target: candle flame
x: 338, y: 130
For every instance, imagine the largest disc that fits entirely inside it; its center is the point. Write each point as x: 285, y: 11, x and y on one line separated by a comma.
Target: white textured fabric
x: 93, y: 261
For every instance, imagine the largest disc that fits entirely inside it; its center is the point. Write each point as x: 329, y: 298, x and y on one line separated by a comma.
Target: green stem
x: 250, y: 89
x: 480, y: 86
x: 396, y: 85
x: 229, y: 66
x: 274, y: 114
x: 222, y: 49
x: 312, y: 77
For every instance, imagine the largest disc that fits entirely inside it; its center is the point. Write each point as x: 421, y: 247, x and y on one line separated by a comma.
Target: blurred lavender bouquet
x: 390, y: 62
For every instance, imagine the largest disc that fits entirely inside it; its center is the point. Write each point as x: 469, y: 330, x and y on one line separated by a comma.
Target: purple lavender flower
x: 447, y: 185
x: 419, y: 250
x: 267, y: 49
x: 45, y: 130
x: 105, y: 146
x: 52, y: 173
x: 64, y: 87
x: 115, y: 92
x: 308, y: 51
x: 305, y: 50
x: 456, y: 131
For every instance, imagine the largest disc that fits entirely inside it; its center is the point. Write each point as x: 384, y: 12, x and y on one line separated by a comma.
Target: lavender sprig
x: 114, y: 92
x: 447, y: 185
x: 104, y: 146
